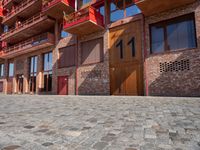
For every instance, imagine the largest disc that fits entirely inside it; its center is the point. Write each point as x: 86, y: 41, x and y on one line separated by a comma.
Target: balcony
x: 55, y: 8
x: 33, y: 26
x: 84, y: 21
x: 30, y: 45
x: 24, y: 10
x: 150, y: 7
x: 8, y: 3
x: 1, y: 14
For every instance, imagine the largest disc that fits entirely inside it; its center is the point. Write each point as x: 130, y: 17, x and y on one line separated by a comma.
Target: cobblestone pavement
x: 99, y: 123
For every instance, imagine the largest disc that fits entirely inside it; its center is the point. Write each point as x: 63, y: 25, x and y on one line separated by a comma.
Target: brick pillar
x: 6, y: 76
x: 15, y: 78
x: 55, y: 57
x: 39, y: 78
x: 26, y: 76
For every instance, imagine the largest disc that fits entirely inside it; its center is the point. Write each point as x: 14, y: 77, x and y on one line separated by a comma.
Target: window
x: 92, y: 51
x: 174, y: 34
x: 1, y: 70
x: 64, y: 34
x: 48, y: 61
x: 5, y: 28
x: 33, y: 73
x: 11, y: 70
x: 67, y: 56
x: 84, y: 2
x: 122, y: 9
x: 47, y: 72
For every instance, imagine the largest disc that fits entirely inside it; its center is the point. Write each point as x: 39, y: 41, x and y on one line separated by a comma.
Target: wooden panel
x: 1, y: 86
x: 62, y: 85
x: 126, y: 63
x: 67, y: 56
x: 92, y: 51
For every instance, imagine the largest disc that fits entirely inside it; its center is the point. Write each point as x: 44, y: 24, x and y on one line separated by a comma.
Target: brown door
x: 1, y: 86
x: 20, y: 80
x: 62, y: 85
x: 126, y: 65
x: 9, y: 85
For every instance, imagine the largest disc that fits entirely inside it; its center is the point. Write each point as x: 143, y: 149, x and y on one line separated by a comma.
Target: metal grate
x: 175, y: 66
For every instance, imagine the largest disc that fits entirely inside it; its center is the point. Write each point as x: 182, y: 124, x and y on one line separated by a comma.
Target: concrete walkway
x: 99, y: 123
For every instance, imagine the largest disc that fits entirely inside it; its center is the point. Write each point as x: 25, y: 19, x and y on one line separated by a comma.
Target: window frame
x: 125, y: 6
x: 164, y: 24
x: 11, y: 76
x: 2, y: 74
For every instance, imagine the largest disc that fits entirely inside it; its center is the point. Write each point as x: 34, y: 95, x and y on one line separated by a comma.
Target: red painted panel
x: 62, y: 85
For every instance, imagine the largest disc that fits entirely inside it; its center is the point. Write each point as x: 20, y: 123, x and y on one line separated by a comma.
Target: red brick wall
x: 181, y: 83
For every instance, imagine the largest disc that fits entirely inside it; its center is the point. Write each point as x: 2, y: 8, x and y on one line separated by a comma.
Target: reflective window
x: 174, y: 34
x: 11, y: 70
x: 122, y: 9
x: 1, y: 70
x: 48, y: 61
x: 64, y: 34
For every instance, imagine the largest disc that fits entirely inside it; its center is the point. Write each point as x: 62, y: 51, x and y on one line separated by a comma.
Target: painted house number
x: 120, y: 46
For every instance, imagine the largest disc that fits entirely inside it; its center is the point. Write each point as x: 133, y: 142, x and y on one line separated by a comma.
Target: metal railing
x: 34, y: 41
x: 83, y: 13
x: 23, y: 25
x: 18, y: 8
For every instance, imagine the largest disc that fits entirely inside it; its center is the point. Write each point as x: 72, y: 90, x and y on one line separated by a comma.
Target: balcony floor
x: 84, y: 28
x: 160, y: 5
x: 56, y: 11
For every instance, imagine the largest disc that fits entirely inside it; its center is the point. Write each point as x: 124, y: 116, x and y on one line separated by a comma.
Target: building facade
x: 100, y: 47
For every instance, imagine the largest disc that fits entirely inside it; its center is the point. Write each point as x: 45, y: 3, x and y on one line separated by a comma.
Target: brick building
x: 100, y: 47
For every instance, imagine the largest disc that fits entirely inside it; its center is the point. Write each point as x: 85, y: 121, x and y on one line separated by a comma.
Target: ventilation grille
x: 175, y: 66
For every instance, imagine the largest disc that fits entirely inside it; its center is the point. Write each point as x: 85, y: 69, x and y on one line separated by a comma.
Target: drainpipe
x: 76, y: 78
x: 145, y: 56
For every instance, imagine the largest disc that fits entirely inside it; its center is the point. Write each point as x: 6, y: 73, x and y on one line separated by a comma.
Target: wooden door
x: 1, y: 86
x: 20, y: 80
x: 62, y: 85
x: 9, y: 85
x: 126, y: 64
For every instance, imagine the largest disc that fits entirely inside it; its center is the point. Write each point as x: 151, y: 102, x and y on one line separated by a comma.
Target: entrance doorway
x: 126, y: 63
x: 20, y: 81
x: 62, y: 85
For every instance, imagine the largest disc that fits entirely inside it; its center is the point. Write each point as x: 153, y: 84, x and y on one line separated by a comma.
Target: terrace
x: 30, y: 27
x: 30, y: 45
x: 84, y: 21
x: 21, y: 11
x: 55, y: 8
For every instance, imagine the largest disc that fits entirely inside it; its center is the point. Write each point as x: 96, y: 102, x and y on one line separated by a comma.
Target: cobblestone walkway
x: 99, y: 123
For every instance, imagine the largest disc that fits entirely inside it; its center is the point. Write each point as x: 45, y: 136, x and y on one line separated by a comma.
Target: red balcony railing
x: 84, y: 21
x: 55, y: 8
x: 52, y: 3
x: 31, y: 22
x: 35, y: 43
x: 22, y: 6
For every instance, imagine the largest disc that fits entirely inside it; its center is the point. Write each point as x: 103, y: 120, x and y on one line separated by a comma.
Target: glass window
x: 48, y: 61
x: 11, y: 70
x: 122, y: 9
x: 64, y: 34
x: 1, y: 70
x: 174, y: 34
x: 181, y: 35
x: 157, y: 39
x: 5, y: 28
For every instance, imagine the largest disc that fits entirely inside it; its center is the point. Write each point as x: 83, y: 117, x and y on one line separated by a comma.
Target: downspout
x: 145, y: 56
x: 76, y: 80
